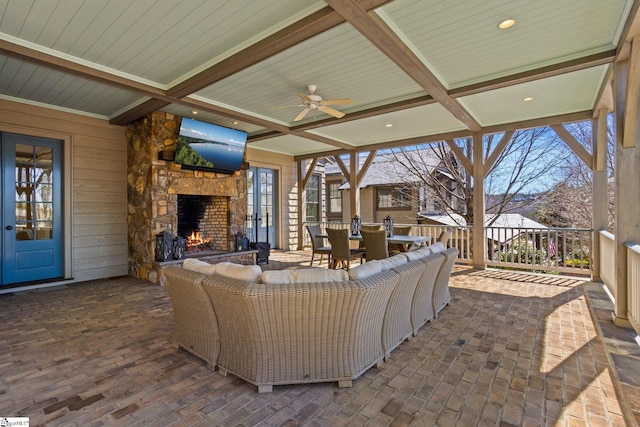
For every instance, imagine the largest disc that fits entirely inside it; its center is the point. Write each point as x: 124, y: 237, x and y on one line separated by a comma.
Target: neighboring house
x: 387, y: 189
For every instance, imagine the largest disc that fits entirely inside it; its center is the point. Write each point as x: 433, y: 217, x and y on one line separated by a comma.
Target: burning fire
x: 195, y: 241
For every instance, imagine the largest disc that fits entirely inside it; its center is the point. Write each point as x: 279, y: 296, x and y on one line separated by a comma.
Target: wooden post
x: 479, y: 246
x: 600, y: 195
x: 627, y: 176
x: 300, y: 204
x: 354, y: 193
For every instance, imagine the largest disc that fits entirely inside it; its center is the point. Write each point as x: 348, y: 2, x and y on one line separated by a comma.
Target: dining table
x: 395, y: 239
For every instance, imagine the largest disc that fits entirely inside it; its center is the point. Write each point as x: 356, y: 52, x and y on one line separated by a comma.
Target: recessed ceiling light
x: 389, y: 125
x: 194, y: 112
x: 507, y: 23
x: 235, y: 123
x: 528, y: 98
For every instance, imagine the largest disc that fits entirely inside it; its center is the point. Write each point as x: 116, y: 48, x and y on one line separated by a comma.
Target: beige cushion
x: 437, y: 247
x: 303, y: 275
x: 246, y: 273
x: 199, y: 266
x: 394, y: 261
x: 365, y: 270
x: 425, y: 250
x: 413, y: 255
x: 276, y: 277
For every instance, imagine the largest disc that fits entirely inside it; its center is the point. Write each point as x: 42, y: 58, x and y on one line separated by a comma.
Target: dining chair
x: 400, y: 230
x: 317, y: 244
x: 375, y: 243
x: 341, y: 252
x: 370, y: 227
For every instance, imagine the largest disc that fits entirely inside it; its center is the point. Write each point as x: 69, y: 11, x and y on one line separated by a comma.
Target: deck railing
x: 550, y: 250
x: 633, y: 285
x: 560, y: 250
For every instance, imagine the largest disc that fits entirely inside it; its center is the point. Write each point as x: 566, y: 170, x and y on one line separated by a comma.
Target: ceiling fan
x: 315, y: 102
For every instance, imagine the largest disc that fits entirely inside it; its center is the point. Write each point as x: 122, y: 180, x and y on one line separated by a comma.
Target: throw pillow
x: 199, y: 266
x: 303, y: 275
x: 437, y: 247
x: 246, y: 273
x: 365, y: 270
x: 394, y: 261
x: 413, y: 255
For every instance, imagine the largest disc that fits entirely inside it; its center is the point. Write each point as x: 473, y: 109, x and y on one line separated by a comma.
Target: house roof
x: 433, y: 70
x: 510, y: 220
x: 503, y: 224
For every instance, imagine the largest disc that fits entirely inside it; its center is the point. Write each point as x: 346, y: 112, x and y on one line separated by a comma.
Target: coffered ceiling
x: 417, y: 70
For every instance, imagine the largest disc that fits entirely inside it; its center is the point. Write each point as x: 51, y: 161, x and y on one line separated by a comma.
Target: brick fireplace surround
x: 153, y: 186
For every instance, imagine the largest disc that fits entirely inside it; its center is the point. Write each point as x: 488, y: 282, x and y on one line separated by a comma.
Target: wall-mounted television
x: 209, y: 147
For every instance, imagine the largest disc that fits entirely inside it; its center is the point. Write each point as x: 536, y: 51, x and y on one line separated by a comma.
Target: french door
x: 261, y: 205
x: 32, y: 218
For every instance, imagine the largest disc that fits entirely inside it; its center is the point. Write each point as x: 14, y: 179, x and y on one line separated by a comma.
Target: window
x: 335, y: 198
x: 394, y: 198
x: 312, y: 213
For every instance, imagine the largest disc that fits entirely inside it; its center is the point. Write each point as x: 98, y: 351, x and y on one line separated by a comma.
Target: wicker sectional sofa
x: 305, y: 326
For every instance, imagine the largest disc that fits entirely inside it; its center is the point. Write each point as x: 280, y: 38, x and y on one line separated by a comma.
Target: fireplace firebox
x: 203, y: 221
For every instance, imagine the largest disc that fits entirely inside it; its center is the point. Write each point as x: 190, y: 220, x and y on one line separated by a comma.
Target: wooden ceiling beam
x: 380, y: 35
x: 304, y: 29
x: 577, y: 64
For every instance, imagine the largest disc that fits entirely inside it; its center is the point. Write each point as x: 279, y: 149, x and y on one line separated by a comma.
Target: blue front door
x: 32, y: 226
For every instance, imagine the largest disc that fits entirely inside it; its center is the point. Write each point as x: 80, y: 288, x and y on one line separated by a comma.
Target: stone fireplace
x: 155, y: 186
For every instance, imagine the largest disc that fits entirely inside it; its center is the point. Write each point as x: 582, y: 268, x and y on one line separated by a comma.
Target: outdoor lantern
x: 164, y: 246
x: 179, y: 247
x: 356, y: 222
x: 388, y: 225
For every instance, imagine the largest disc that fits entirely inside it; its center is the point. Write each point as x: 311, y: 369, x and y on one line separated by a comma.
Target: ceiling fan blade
x: 341, y: 101
x: 301, y: 115
x: 305, y: 98
x: 334, y: 113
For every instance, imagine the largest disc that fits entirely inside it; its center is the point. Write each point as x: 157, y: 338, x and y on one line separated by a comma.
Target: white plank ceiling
x: 234, y: 61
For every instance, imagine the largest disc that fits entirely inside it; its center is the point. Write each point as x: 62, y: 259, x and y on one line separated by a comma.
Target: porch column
x: 354, y: 193
x: 627, y: 173
x: 479, y: 243
x: 300, y: 204
x: 600, y: 190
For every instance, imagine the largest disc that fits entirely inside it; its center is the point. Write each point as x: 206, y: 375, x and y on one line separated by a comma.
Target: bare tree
x: 530, y: 162
x: 570, y: 202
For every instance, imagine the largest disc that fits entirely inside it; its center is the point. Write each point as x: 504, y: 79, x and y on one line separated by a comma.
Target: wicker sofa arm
x: 195, y: 321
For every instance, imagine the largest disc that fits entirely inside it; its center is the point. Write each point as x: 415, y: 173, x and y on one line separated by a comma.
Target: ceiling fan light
x: 507, y: 23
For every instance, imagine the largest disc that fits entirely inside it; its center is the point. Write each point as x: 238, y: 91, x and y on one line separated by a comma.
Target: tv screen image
x: 205, y: 146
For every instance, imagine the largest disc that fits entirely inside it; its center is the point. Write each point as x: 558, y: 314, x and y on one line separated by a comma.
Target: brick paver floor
x: 509, y: 350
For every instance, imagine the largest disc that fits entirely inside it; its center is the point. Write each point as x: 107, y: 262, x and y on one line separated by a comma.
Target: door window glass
x: 34, y: 192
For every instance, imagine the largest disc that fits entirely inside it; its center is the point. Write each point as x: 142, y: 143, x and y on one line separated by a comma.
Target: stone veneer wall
x: 153, y: 186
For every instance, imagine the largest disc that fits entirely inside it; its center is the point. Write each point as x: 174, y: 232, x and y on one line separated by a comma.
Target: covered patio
x: 510, y: 349
x: 90, y: 344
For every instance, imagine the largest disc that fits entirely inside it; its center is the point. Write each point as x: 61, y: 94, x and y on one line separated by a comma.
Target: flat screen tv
x: 209, y: 147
